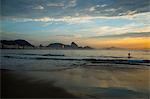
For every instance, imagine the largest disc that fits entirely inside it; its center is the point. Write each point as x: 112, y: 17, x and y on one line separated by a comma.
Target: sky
x: 96, y: 23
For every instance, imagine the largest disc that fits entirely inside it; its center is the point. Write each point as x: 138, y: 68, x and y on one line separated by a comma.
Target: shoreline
x: 74, y: 49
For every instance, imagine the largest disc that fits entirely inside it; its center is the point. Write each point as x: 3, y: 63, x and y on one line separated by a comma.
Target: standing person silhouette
x: 129, y: 55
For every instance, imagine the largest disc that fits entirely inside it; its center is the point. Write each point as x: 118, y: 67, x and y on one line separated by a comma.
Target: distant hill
x: 73, y: 45
x: 88, y: 47
x: 23, y: 44
x: 15, y: 43
x: 56, y: 45
x: 113, y: 48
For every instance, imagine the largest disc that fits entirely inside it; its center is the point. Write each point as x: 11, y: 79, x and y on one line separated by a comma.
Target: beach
x: 112, y: 83
x: 14, y: 85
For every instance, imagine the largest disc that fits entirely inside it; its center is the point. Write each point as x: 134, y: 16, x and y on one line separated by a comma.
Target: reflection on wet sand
x: 99, y: 82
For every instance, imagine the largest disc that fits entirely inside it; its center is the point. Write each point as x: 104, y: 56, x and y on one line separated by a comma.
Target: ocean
x: 50, y: 59
x: 85, y: 73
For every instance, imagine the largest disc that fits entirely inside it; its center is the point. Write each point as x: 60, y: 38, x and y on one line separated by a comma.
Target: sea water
x: 50, y: 59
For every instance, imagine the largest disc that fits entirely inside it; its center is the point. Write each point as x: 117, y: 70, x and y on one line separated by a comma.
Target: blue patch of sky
x: 20, y: 27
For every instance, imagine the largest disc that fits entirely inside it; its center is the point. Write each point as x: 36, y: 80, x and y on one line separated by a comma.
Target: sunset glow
x: 131, y: 43
x: 89, y: 23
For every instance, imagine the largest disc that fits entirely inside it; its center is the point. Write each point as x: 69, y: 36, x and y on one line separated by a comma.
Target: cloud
x: 92, y: 9
x: 125, y: 35
x: 141, y: 18
x: 103, y: 5
x: 67, y: 19
x: 39, y: 7
x: 72, y: 3
x: 44, y: 19
x: 70, y: 36
x: 128, y: 13
x: 111, y: 10
x: 55, y: 4
x: 116, y: 30
x: 62, y: 8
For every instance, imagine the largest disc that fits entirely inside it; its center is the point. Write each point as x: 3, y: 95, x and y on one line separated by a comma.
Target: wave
x: 40, y: 58
x: 92, y: 60
x: 30, y: 54
x: 53, y: 55
x: 108, y: 57
x: 27, y: 54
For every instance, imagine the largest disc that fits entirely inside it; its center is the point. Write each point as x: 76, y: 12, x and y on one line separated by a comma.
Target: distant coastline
x: 23, y: 44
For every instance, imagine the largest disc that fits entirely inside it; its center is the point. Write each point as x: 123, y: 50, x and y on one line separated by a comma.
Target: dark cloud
x: 143, y: 34
x: 61, y: 8
x: 65, y: 35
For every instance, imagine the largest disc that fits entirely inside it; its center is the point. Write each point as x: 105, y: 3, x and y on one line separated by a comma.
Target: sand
x: 92, y: 82
x: 14, y: 87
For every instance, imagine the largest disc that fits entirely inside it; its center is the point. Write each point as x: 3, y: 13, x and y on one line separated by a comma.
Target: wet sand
x: 85, y: 82
x: 14, y: 87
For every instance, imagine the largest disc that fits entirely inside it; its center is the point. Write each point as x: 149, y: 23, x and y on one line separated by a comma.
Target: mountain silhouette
x: 73, y: 45
x: 15, y: 43
x: 20, y: 43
